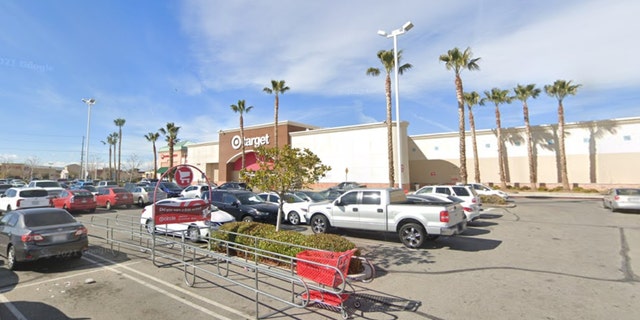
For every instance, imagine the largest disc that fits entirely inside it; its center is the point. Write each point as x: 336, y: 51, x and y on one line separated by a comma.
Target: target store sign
x: 183, y: 176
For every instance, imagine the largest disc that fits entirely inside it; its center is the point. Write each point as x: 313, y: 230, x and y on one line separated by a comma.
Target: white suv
x: 53, y: 187
x: 472, y: 204
x: 19, y: 198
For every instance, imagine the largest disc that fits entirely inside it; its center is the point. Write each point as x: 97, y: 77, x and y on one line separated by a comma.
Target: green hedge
x: 284, y: 242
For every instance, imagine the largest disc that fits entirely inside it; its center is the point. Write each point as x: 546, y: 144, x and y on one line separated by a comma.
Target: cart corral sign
x: 180, y: 212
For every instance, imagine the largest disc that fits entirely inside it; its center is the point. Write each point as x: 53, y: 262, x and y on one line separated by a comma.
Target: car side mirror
x: 337, y: 203
x: 236, y: 203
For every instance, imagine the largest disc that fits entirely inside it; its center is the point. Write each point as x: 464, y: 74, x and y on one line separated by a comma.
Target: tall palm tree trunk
x: 387, y: 86
x: 275, y: 121
x: 242, y: 138
x: 476, y: 163
x: 461, y: 131
x: 563, y: 155
x: 532, y: 169
x: 503, y: 178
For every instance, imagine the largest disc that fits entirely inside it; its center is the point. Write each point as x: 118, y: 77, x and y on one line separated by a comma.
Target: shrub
x: 525, y: 188
x: 492, y: 199
x: 288, y: 243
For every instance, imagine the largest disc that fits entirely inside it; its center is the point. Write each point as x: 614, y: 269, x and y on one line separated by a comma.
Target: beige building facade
x: 600, y: 154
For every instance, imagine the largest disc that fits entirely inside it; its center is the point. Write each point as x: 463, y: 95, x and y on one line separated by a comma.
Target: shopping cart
x: 329, y: 270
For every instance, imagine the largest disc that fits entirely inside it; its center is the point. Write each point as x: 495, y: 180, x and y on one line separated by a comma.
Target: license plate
x: 84, y: 201
x: 59, y: 238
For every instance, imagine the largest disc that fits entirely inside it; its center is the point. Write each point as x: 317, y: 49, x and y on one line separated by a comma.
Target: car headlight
x: 262, y: 213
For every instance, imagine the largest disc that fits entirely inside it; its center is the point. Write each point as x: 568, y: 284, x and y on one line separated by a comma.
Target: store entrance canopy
x: 162, y: 170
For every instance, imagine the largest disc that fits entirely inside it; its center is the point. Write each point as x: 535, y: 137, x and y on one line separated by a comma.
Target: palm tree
x: 153, y: 137
x: 498, y: 96
x: 112, y: 139
x: 458, y: 61
x: 171, y: 136
x: 388, y: 63
x: 559, y: 90
x: 471, y: 99
x: 277, y: 87
x: 523, y: 93
x: 119, y: 123
x: 241, y: 109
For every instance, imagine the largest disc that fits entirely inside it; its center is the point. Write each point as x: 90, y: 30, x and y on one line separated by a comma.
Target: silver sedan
x: 622, y: 199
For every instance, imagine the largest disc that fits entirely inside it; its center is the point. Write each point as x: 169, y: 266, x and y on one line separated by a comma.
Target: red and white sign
x: 181, y: 211
x: 183, y: 176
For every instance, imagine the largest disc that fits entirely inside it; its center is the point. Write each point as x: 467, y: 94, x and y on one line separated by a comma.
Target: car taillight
x: 18, y: 203
x: 467, y: 209
x: 473, y: 200
x: 444, y: 216
x: 31, y: 237
x: 616, y: 198
x: 72, y: 200
x: 80, y: 231
x: 51, y: 203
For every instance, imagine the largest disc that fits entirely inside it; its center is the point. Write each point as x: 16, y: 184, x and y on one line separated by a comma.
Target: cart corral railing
x: 265, y: 273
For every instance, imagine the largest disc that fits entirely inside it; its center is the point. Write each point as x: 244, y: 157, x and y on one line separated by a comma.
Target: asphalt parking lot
x: 541, y: 259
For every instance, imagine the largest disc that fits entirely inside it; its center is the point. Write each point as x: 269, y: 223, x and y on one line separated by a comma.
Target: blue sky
x: 153, y: 62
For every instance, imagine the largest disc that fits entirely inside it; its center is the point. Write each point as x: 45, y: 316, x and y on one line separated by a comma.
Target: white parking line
x: 174, y: 287
x: 16, y: 313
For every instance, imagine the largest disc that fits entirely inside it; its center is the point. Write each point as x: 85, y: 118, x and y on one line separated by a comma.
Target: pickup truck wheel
x: 319, y: 224
x: 412, y: 235
x: 193, y: 234
x: 247, y: 219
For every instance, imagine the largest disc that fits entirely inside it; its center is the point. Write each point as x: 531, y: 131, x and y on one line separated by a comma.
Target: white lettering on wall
x: 248, y: 142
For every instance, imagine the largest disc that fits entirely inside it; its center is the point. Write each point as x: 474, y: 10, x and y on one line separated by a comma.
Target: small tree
x: 294, y: 168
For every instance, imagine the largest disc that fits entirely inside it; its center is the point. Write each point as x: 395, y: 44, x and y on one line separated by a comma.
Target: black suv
x: 244, y: 205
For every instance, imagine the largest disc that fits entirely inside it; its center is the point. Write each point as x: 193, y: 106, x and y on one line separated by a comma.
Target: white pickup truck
x: 388, y: 210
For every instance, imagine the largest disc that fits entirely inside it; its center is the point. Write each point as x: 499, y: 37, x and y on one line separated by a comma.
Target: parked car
x: 195, y: 191
x: 471, y: 210
x: 107, y: 183
x: 348, y: 185
x: 484, y: 190
x: 32, y: 234
x: 54, y: 188
x: 622, y: 199
x: 109, y: 197
x: 195, y: 231
x: 4, y: 187
x: 465, y: 193
x: 170, y: 188
x: 294, y: 208
x: 24, y: 197
x: 79, y: 184
x: 18, y: 183
x: 331, y: 194
x: 309, y: 195
x: 75, y: 200
x: 143, y: 195
x: 234, y: 185
x: 244, y: 205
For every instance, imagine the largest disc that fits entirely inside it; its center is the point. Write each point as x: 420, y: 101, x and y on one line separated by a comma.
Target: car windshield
x: 48, y: 184
x: 629, y: 192
x: 47, y: 219
x: 315, y: 196
x: 249, y: 198
x: 171, y: 186
x: 82, y: 193
x: 34, y: 193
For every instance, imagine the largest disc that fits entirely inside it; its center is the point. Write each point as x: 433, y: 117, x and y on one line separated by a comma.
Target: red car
x: 110, y: 197
x: 75, y: 200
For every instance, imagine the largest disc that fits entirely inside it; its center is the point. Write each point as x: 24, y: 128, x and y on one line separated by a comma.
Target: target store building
x: 600, y: 154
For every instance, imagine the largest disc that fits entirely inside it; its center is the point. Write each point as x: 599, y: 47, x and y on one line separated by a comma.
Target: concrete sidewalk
x: 560, y: 194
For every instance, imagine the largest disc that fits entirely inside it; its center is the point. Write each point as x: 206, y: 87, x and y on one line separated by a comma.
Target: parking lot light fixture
x: 85, y: 166
x: 394, y: 35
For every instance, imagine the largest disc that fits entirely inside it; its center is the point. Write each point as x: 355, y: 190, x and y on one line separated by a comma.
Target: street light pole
x: 85, y: 166
x: 394, y: 34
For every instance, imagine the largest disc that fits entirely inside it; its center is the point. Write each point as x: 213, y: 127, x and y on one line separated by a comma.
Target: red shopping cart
x: 329, y: 270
